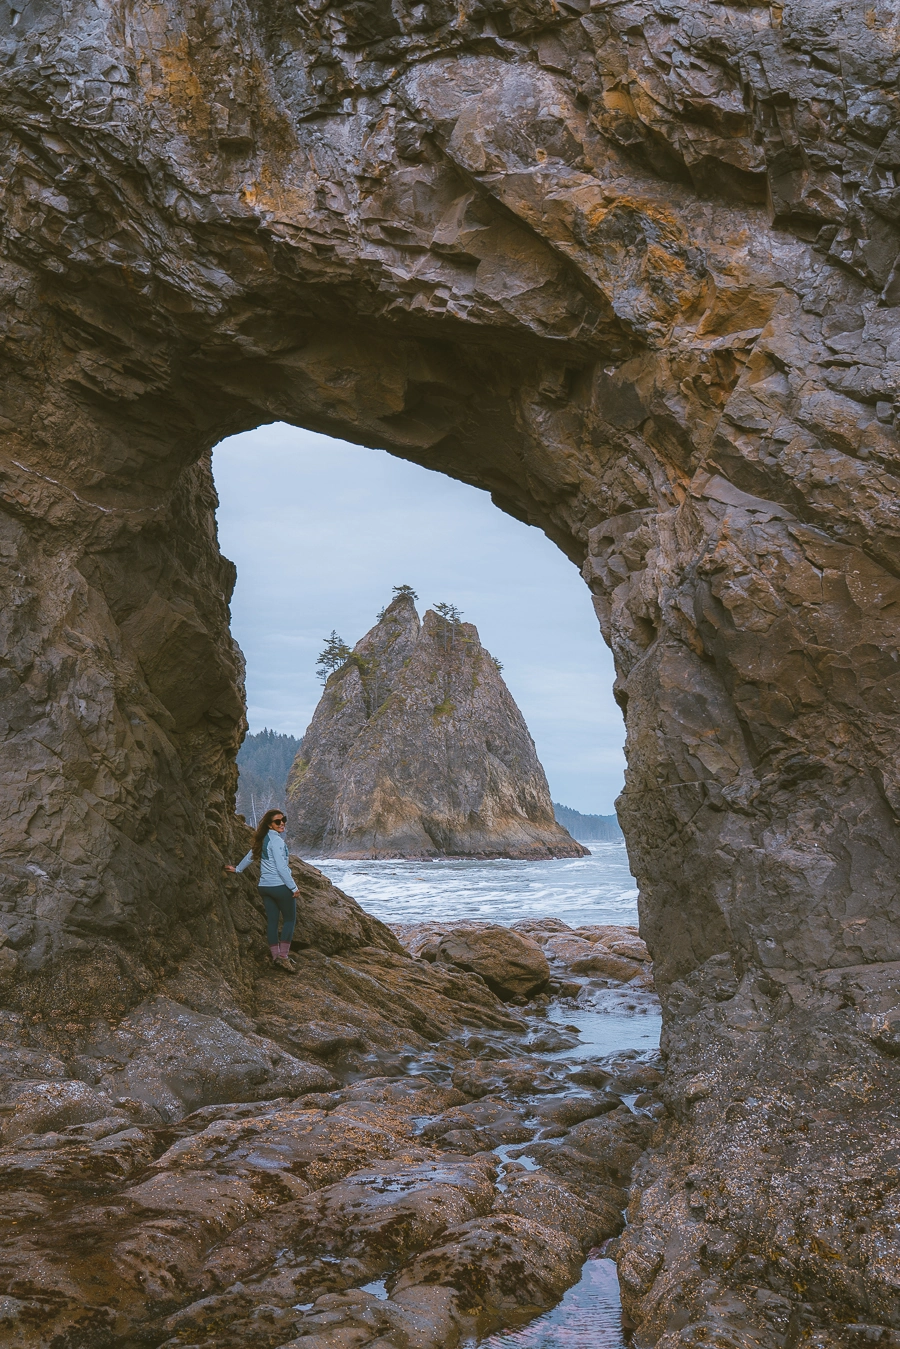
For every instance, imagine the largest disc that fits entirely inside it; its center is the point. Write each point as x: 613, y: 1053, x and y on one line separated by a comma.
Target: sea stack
x: 417, y: 749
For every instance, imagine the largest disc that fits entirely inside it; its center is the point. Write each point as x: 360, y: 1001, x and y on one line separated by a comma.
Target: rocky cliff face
x: 417, y: 749
x: 632, y: 269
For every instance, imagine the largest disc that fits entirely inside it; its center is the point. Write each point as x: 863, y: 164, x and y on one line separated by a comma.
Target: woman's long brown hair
x: 261, y: 830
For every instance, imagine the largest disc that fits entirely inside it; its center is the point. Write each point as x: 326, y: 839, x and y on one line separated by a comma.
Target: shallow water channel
x: 596, y: 889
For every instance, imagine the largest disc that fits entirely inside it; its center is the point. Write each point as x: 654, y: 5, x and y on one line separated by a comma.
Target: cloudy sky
x: 321, y: 530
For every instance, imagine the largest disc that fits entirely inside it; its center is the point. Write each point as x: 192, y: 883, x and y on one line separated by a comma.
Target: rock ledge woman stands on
x: 276, y: 884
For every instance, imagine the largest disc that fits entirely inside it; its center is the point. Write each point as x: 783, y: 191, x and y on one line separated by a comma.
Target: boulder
x: 543, y: 1199
x: 565, y: 948
x: 541, y: 928
x: 512, y: 1077
x: 602, y: 962
x: 512, y: 966
x: 631, y: 948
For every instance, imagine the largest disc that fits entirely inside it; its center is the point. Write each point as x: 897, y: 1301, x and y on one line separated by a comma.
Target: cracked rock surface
x: 243, y: 1198
x: 631, y: 268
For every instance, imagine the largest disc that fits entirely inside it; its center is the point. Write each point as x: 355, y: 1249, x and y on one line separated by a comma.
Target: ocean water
x: 595, y: 889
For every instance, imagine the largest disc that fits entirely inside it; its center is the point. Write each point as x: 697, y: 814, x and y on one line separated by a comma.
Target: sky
x: 321, y: 530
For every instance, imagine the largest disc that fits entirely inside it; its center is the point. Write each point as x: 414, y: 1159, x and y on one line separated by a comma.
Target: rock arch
x: 631, y: 268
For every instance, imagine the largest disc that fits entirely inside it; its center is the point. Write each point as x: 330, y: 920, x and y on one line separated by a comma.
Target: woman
x: 276, y: 884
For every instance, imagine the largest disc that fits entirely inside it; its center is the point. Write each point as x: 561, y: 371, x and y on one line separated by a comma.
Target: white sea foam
x: 594, y: 889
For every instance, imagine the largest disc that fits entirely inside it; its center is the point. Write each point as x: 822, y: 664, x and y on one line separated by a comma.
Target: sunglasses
x: 281, y: 821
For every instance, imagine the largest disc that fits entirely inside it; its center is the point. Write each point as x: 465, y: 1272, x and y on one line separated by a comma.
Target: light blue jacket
x: 273, y: 867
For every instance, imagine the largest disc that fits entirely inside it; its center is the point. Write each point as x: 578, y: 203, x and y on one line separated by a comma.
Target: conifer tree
x: 333, y: 655
x: 450, y: 618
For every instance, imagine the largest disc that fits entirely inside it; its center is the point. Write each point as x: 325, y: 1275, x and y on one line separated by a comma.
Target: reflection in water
x: 608, y: 1032
x: 595, y: 889
x: 588, y: 1317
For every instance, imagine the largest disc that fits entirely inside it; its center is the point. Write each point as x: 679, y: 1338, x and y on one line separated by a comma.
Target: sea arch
x: 458, y: 265
x: 521, y: 244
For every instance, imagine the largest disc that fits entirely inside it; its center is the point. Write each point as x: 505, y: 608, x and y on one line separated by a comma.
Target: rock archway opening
x: 322, y: 531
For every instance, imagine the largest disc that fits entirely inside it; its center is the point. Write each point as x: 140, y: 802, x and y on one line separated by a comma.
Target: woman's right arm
x: 243, y: 863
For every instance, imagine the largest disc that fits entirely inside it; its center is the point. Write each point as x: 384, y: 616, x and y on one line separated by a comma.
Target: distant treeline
x: 264, y: 761
x: 601, y: 828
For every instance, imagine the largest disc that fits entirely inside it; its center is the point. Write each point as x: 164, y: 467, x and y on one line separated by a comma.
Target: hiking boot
x: 283, y: 963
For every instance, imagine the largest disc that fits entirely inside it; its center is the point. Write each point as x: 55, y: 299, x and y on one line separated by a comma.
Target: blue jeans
x: 279, y: 903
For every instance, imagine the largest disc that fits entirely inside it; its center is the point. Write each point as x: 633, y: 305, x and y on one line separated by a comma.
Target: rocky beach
x: 632, y: 267
x: 412, y: 1141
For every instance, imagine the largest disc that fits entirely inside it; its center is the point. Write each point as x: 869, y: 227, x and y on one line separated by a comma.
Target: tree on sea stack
x: 417, y: 749
x: 399, y: 592
x: 332, y: 656
x: 450, y: 621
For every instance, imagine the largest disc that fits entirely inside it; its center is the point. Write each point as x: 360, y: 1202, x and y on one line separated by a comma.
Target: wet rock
x: 565, y: 948
x: 326, y: 1039
x: 549, y: 1040
x: 379, y: 1217
x: 315, y: 1146
x: 566, y: 988
x: 511, y: 1077
x: 85, y: 1158
x: 635, y: 1076
x: 541, y: 1198
x: 569, y: 1110
x: 176, y: 1060
x: 602, y: 962
x: 489, y: 1122
x: 590, y: 1075
x: 631, y: 949
x: 409, y: 1098
x: 615, y: 1140
x: 541, y: 928
x: 612, y: 951
x: 425, y: 1317
x: 37, y: 1107
x: 502, y: 1265
x: 510, y: 964
x: 595, y: 1160
x: 612, y: 935
x: 214, y: 1230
